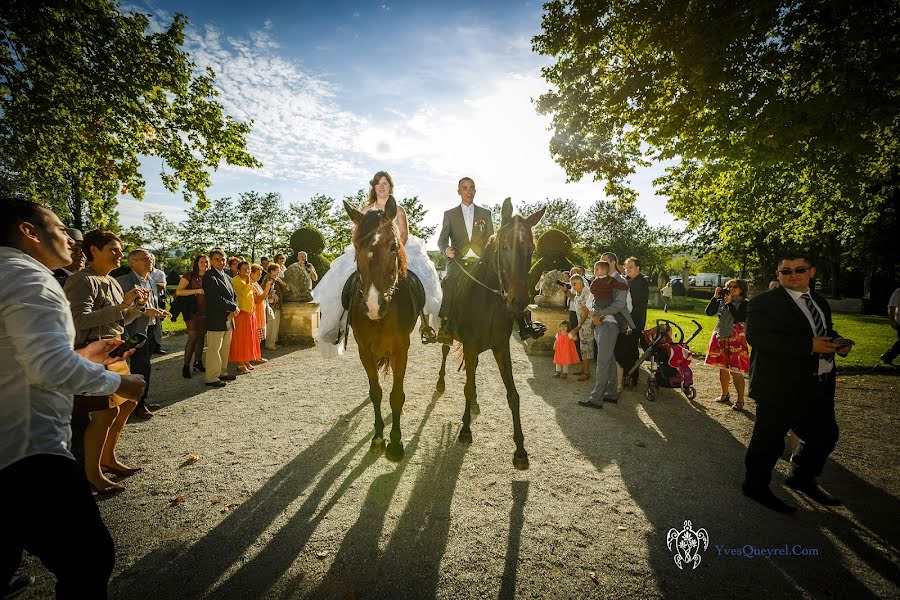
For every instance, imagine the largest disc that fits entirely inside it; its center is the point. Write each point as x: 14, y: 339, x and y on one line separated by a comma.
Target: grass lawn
x: 179, y: 326
x: 872, y: 334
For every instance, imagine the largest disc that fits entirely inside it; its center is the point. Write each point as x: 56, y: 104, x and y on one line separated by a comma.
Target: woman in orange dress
x: 244, y: 341
x: 260, y: 294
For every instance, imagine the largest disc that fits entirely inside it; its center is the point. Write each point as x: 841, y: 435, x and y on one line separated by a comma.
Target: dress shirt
x: 41, y: 371
x: 826, y: 365
x: 157, y: 277
x: 469, y: 217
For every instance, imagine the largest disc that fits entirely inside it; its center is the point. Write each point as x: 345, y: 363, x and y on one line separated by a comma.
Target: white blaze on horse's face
x: 372, y: 303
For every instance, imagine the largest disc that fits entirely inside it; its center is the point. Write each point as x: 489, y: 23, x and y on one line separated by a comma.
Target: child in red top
x: 604, y: 287
x: 564, y: 352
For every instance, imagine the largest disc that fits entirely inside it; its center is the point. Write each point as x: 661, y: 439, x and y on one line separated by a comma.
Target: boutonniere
x: 480, y: 224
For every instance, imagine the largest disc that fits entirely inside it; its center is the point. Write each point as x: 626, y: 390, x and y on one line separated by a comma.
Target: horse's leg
x: 504, y: 363
x: 476, y: 410
x: 471, y: 360
x: 441, y: 385
x: 371, y: 368
x: 398, y: 366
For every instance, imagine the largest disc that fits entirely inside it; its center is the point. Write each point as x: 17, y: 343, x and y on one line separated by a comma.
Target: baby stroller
x: 670, y: 358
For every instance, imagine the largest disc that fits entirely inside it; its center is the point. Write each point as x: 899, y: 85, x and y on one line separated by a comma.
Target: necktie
x: 816, y: 317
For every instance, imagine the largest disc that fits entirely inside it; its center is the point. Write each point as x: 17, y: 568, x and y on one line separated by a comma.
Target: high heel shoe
x: 186, y: 372
x: 198, y: 366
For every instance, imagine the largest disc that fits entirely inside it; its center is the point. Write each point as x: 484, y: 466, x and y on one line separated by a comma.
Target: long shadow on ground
x: 190, y: 571
x: 679, y: 463
x: 409, y: 564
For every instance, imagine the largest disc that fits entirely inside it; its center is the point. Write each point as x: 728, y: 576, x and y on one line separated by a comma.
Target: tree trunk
x: 834, y: 260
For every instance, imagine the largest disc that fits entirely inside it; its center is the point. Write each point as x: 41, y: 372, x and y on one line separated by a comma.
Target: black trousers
x: 894, y: 351
x: 47, y: 509
x: 811, y: 418
x: 626, y: 350
x: 140, y: 365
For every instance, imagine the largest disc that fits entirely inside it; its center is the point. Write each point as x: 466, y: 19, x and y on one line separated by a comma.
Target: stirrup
x: 429, y: 336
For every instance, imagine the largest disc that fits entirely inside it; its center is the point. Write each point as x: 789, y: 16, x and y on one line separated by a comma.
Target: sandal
x: 725, y: 399
x: 739, y: 405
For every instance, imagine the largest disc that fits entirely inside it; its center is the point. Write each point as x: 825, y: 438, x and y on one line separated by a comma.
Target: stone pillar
x: 549, y: 316
x: 299, y: 323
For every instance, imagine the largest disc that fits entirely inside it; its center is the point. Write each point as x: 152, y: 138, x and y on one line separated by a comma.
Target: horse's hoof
x: 520, y: 462
x: 394, y: 452
x: 377, y: 446
x: 465, y: 437
x: 441, y: 386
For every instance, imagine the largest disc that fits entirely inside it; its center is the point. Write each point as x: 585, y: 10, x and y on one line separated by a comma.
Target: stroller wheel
x: 690, y: 392
x: 651, y: 393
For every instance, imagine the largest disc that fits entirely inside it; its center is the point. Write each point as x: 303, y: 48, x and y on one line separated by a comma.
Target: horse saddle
x: 411, y: 283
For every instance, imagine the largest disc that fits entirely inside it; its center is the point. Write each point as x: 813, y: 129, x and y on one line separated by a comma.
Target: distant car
x: 709, y: 279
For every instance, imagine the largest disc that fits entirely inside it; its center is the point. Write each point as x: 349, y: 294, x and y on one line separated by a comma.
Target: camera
x: 563, y: 284
x: 723, y: 293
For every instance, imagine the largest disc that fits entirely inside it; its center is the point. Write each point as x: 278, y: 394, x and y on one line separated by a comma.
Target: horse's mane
x: 369, y: 225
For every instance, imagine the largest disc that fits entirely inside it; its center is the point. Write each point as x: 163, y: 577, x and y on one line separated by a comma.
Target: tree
x: 157, y: 234
x: 85, y: 91
x: 262, y: 223
x: 218, y: 226
x: 415, y: 215
x: 613, y: 227
x: 787, y: 107
x: 561, y: 214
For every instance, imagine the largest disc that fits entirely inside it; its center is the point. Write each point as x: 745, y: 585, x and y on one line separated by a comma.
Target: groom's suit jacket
x: 454, y: 235
x: 220, y: 300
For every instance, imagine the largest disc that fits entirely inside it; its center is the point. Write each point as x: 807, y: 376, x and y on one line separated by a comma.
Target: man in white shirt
x: 46, y: 504
x: 158, y: 277
x: 893, y: 311
x: 792, y: 380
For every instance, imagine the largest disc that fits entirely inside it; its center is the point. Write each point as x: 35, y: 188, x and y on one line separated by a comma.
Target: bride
x: 328, y: 292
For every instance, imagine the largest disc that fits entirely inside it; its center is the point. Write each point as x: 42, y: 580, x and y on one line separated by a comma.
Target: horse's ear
x: 536, y: 217
x: 390, y: 209
x: 506, y: 212
x: 355, y: 215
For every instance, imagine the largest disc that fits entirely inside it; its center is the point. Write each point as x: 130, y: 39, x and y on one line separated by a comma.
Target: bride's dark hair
x: 374, y: 182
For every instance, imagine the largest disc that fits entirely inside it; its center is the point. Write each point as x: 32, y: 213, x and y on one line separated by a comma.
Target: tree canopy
x: 86, y: 90
x: 780, y: 117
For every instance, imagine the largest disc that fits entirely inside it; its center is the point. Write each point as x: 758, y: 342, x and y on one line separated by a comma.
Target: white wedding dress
x: 328, y: 292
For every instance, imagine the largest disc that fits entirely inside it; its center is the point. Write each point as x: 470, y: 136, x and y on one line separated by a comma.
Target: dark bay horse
x: 382, y: 313
x: 485, y: 299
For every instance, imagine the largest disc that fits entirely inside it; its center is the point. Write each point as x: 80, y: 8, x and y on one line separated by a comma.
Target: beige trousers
x: 218, y: 345
x: 272, y: 330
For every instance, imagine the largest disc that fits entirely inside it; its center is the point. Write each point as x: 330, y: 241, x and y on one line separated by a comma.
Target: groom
x: 464, y: 235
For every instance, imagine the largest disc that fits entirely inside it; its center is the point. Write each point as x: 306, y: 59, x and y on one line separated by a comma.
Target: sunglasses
x: 798, y: 271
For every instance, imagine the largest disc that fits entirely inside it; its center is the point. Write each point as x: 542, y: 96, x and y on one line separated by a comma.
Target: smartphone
x: 135, y: 341
x: 841, y: 342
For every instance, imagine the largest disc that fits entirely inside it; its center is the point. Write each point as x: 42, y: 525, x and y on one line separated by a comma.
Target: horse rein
x: 501, y: 293
x: 389, y: 294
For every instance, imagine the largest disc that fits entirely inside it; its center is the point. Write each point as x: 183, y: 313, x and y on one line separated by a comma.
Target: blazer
x: 639, y: 288
x: 128, y: 282
x: 783, y: 367
x: 220, y: 300
x: 454, y: 235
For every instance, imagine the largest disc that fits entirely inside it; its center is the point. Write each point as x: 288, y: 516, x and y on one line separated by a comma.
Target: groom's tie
x: 816, y: 317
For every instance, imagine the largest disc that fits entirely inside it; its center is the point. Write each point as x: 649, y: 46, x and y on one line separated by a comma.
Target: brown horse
x: 383, y: 313
x: 485, y: 299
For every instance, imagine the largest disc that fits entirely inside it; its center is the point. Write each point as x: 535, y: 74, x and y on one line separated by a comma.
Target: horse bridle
x: 502, y: 291
x: 389, y: 294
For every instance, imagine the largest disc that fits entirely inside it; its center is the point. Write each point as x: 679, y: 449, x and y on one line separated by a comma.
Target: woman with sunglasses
x: 728, y: 350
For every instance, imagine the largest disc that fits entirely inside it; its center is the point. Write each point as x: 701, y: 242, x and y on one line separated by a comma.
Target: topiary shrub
x: 309, y: 240
x: 553, y: 251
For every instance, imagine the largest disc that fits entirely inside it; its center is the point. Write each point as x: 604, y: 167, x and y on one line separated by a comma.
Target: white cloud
x: 299, y: 130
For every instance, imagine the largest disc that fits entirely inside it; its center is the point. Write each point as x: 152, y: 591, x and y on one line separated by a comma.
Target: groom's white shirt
x: 469, y: 217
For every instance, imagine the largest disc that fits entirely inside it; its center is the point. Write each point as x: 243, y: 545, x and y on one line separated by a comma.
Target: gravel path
x: 284, y: 499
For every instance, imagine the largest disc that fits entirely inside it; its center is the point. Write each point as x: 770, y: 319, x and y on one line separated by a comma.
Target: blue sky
x: 429, y: 91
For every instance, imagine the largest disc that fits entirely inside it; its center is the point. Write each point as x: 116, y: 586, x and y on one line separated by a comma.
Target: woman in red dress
x: 191, y: 284
x: 728, y: 350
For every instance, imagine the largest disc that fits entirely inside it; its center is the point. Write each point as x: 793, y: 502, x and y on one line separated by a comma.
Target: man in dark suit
x: 221, y: 309
x: 626, y: 351
x: 792, y: 376
x: 138, y: 277
x: 464, y: 234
